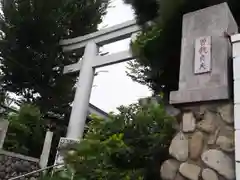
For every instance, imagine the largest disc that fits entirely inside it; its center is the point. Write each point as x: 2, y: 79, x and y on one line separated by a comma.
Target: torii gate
x: 87, y: 65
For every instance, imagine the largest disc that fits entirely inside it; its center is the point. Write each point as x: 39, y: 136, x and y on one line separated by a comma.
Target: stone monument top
x: 205, y: 53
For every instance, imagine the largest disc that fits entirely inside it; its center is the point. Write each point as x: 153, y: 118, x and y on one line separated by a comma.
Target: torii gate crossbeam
x: 87, y: 65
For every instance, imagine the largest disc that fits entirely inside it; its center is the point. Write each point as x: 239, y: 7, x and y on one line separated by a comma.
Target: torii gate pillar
x: 83, y: 92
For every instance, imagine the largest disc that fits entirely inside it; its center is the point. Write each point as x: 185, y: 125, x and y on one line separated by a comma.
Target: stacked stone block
x: 13, y: 166
x: 203, y: 148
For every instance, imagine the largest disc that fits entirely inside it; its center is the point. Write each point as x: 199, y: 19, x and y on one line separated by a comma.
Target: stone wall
x: 203, y: 148
x: 12, y: 165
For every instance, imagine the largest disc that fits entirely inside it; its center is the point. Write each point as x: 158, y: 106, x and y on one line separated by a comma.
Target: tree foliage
x: 159, y: 45
x: 26, y: 131
x: 31, y: 59
x: 145, y: 10
x: 128, y: 146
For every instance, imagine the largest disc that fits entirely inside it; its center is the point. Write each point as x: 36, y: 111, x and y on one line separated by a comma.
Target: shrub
x: 130, y: 145
x: 26, y: 131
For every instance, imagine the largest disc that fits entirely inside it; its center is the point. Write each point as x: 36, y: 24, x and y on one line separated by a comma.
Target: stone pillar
x: 204, y: 148
x: 46, y: 149
x: 210, y: 83
x: 236, y: 83
x: 3, y: 131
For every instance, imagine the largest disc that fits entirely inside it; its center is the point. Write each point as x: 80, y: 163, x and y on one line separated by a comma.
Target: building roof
x: 95, y: 110
x: 92, y: 110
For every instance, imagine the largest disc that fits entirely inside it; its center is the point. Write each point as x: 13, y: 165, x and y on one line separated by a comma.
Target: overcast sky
x: 114, y: 88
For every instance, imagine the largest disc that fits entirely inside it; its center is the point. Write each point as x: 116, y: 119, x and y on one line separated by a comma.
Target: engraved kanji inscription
x: 202, y: 61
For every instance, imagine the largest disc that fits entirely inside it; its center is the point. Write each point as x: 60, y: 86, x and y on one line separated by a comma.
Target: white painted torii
x: 87, y: 65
